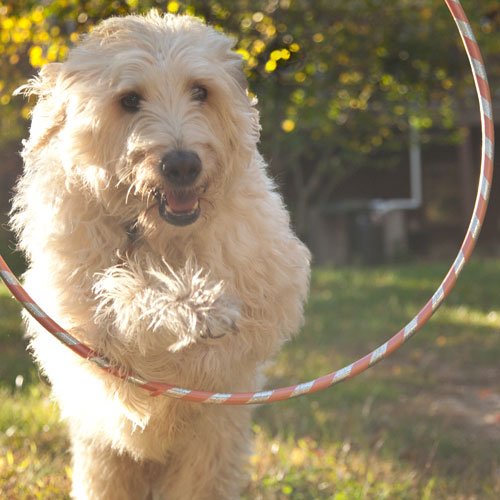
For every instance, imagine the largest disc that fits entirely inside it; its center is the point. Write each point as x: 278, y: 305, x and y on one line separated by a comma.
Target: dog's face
x: 155, y: 107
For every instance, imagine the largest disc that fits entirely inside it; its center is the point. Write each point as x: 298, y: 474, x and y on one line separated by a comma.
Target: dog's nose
x: 181, y: 168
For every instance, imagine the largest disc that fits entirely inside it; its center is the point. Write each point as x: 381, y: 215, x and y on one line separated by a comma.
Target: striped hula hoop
x: 246, y: 398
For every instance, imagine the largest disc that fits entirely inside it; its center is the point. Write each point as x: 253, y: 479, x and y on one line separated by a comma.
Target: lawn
x: 423, y: 424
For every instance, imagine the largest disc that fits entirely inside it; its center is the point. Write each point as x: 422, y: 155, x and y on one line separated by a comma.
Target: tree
x: 338, y: 82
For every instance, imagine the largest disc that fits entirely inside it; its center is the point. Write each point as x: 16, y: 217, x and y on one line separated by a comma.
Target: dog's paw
x: 185, y: 305
x: 197, y: 306
x: 202, y: 311
x: 222, y: 318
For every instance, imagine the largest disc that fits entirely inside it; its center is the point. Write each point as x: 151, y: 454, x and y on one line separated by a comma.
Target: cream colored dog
x: 155, y: 235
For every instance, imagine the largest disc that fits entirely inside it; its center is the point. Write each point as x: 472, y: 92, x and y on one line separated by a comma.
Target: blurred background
x: 371, y: 128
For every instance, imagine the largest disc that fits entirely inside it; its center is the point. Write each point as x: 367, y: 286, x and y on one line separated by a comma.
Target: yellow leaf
x: 297, y: 456
x: 270, y: 66
x: 37, y: 16
x: 36, y: 56
x: 53, y: 52
x: 285, y: 54
x: 271, y: 30
x: 275, y: 55
x: 288, y: 125
x: 24, y: 465
x: 399, y: 110
x: 300, y: 77
x: 43, y: 37
x: 343, y: 59
x: 173, y: 7
x: 244, y: 54
x: 8, y: 24
x: 24, y: 23
x: 447, y: 83
x: 252, y: 62
x: 18, y: 37
x: 257, y: 47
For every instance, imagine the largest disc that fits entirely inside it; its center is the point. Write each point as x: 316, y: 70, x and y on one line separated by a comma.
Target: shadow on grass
x: 434, y: 404
x: 15, y: 361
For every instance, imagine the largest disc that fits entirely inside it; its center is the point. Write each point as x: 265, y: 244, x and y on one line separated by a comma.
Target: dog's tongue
x: 182, y: 201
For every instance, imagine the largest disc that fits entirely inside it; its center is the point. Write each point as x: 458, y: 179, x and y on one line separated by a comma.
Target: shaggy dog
x: 156, y: 237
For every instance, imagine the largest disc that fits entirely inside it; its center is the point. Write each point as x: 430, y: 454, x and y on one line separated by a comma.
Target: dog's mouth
x: 180, y: 208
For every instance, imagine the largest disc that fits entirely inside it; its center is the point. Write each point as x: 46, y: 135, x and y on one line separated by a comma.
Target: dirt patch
x: 475, y: 409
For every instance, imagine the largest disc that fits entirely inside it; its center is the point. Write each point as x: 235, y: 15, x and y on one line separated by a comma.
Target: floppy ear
x: 49, y: 114
x: 41, y: 84
x: 236, y: 64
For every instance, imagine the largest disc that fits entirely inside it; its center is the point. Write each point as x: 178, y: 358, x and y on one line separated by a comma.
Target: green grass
x: 423, y: 424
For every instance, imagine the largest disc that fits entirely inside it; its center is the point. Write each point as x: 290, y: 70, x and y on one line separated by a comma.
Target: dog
x: 155, y: 235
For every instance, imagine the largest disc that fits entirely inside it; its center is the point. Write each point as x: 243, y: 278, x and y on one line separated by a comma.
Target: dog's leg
x: 209, y: 465
x: 152, y: 303
x: 102, y: 474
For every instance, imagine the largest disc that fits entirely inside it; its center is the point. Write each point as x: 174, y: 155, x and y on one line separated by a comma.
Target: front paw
x: 222, y: 318
x: 198, y: 306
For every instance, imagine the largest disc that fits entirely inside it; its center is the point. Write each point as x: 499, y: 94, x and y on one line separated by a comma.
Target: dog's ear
x: 42, y: 84
x: 49, y: 114
x: 236, y: 65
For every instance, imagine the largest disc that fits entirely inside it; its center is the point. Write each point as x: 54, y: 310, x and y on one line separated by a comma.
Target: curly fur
x: 201, y: 306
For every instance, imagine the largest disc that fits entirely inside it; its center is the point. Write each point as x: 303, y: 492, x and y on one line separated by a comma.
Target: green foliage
x: 419, y: 425
x: 338, y: 82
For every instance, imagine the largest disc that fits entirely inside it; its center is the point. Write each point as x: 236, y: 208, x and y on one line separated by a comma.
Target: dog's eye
x: 131, y: 102
x: 199, y: 93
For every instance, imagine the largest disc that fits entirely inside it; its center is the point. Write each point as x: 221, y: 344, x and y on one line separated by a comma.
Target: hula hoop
x: 381, y: 352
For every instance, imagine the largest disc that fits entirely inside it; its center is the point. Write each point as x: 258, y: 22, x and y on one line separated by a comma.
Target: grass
x: 423, y: 424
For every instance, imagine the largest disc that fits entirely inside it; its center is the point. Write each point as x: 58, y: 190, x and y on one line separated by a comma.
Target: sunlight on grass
x: 464, y: 315
x: 305, y: 468
x: 33, y: 458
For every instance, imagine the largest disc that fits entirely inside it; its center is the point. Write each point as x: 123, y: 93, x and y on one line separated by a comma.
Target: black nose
x: 181, y: 168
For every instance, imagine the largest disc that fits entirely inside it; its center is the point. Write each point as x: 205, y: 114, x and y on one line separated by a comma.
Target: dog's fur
x: 201, y: 306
